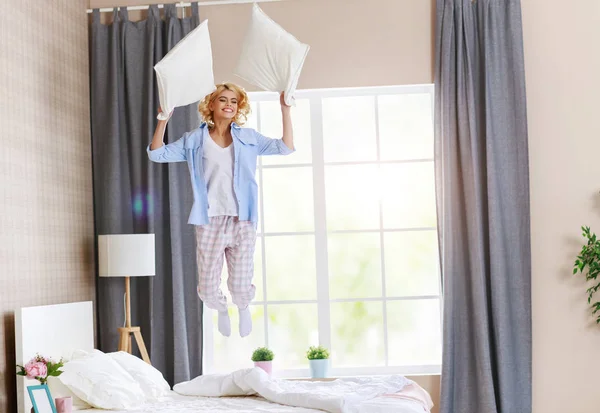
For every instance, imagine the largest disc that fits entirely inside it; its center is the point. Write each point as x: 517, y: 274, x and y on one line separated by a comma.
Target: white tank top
x: 218, y: 175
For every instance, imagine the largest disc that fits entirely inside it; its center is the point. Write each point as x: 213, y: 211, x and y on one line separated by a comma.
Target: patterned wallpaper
x: 46, y: 210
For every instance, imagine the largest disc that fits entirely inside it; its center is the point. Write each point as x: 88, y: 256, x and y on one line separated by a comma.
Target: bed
x: 253, y: 404
x: 70, y: 328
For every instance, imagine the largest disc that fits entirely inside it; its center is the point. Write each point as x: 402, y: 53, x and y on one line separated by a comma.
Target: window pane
x: 408, y: 195
x: 414, y: 332
x: 352, y: 197
x: 354, y: 265
x: 270, y: 126
x: 257, y: 280
x: 405, y: 126
x: 292, y: 329
x: 349, y: 129
x: 251, y: 120
x: 290, y: 263
x: 411, y: 263
x: 233, y: 353
x: 259, y: 207
x: 258, y: 266
x: 357, y: 334
x: 288, y: 199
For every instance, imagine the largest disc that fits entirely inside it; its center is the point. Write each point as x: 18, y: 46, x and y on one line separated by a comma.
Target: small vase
x: 64, y: 404
x: 267, y: 366
x: 319, y: 368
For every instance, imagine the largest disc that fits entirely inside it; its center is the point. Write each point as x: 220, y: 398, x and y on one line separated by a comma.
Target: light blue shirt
x: 248, y: 144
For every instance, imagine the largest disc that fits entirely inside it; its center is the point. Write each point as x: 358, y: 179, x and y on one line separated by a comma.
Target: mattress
x: 176, y: 403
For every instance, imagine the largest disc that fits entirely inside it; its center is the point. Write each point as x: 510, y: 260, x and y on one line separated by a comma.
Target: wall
x: 46, y: 213
x: 563, y: 84
x: 389, y: 42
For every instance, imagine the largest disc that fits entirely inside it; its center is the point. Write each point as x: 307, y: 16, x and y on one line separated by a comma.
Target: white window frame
x: 321, y: 232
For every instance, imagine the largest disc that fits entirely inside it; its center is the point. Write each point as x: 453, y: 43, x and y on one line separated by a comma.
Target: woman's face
x: 225, y: 106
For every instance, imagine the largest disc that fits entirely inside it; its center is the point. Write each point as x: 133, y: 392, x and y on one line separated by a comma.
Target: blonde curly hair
x: 243, y: 104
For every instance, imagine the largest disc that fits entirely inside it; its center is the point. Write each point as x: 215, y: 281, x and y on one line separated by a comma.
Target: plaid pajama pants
x: 225, y: 236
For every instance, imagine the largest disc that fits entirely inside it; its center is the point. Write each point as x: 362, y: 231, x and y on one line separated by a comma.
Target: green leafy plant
x: 317, y: 353
x: 588, y: 264
x: 262, y: 354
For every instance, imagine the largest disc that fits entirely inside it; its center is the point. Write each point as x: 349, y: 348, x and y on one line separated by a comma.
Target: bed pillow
x: 271, y: 58
x: 58, y: 389
x: 151, y: 380
x: 185, y: 74
x: 101, y: 382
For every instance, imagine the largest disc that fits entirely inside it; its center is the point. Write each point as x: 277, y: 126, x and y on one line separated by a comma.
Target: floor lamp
x: 127, y: 255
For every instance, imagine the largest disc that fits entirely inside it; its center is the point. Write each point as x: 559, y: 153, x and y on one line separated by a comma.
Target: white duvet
x: 338, y: 396
x: 175, y: 403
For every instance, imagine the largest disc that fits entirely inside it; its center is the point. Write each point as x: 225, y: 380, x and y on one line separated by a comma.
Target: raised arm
x: 284, y: 145
x: 159, y: 132
x: 288, y: 131
x: 159, y: 152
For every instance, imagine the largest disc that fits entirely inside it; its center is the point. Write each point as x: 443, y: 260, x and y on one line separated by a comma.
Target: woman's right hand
x: 168, y: 117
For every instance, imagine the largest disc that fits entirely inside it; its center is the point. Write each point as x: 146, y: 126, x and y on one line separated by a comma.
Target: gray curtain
x: 483, y: 206
x: 132, y: 195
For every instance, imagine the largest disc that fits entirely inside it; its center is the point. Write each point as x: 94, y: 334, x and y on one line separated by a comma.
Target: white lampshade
x: 126, y: 255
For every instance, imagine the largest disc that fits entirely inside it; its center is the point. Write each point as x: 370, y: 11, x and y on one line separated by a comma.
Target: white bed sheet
x: 175, y: 403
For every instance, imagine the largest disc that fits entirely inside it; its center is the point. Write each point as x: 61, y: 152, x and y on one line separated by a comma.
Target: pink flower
x: 35, y: 369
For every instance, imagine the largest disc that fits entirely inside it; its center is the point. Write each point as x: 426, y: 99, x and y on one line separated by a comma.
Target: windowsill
x: 346, y: 372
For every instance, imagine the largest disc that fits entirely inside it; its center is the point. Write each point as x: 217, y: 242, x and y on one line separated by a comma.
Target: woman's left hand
x: 282, y: 101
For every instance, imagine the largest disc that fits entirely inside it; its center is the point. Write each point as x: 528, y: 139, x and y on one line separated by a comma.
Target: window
x: 347, y: 252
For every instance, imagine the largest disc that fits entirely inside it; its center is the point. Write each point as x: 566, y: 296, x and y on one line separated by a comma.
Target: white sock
x: 245, y: 321
x: 224, y: 323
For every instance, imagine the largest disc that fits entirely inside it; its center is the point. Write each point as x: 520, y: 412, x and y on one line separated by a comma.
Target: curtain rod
x: 182, y: 4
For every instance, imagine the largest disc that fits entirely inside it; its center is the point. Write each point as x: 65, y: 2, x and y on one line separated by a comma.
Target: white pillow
x: 58, y: 389
x: 185, y: 74
x: 100, y: 381
x: 151, y: 380
x: 271, y: 58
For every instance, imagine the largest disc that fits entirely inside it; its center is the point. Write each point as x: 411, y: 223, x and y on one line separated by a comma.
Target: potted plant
x: 588, y: 264
x: 263, y: 358
x: 318, y: 358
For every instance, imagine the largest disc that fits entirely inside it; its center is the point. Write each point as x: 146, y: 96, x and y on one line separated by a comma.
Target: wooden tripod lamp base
x: 125, y: 341
x: 125, y: 332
